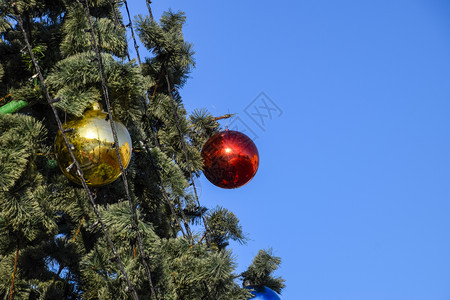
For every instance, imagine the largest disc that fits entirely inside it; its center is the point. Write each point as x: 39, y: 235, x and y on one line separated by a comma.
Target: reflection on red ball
x: 230, y: 159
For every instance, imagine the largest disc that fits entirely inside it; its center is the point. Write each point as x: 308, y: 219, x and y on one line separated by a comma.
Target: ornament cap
x: 96, y: 106
x: 246, y: 283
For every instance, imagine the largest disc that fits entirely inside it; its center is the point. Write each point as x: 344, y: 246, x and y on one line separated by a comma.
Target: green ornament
x: 52, y: 163
x: 12, y: 107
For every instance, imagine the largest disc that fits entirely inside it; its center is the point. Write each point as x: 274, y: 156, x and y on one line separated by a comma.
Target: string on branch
x: 163, y: 191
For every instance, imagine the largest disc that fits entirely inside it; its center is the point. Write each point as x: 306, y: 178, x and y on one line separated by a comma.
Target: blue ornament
x: 263, y: 293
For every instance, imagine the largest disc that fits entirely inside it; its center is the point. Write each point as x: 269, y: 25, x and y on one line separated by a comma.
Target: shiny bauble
x: 230, y: 159
x: 263, y: 293
x: 94, y: 149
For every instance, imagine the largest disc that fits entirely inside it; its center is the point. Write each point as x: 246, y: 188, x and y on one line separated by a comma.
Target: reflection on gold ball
x: 93, y: 141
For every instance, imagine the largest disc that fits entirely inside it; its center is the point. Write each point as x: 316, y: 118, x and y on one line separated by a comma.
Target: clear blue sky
x: 353, y: 190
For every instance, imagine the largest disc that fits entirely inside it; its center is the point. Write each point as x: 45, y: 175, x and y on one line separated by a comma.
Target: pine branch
x: 261, y: 269
x: 183, y: 144
x: 68, y: 145
x: 116, y: 143
x: 166, y: 196
x: 146, y: 102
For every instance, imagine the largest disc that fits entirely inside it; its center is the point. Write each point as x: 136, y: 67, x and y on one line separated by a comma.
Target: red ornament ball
x: 230, y: 159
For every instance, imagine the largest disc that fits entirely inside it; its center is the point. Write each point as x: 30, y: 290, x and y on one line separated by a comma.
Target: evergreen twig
x: 165, y: 195
x: 13, y: 276
x: 154, y: 92
x: 226, y: 116
x: 78, y: 229
x: 183, y: 145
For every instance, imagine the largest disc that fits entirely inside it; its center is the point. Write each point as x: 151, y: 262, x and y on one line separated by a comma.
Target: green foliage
x: 26, y: 213
x: 172, y: 55
x: 77, y: 82
x: 20, y: 139
x: 224, y: 225
x: 5, y: 19
x: 15, y: 72
x: 169, y: 136
x: 29, y: 93
x: 62, y: 250
x: 39, y: 54
x: 171, y: 175
x: 196, y: 273
x: 203, y: 126
x: 261, y: 269
x: 110, y: 38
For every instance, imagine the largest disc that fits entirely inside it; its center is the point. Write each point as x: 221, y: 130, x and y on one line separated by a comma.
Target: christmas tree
x: 146, y: 234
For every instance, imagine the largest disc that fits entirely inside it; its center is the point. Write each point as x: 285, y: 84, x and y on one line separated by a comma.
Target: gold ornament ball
x: 94, y: 149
